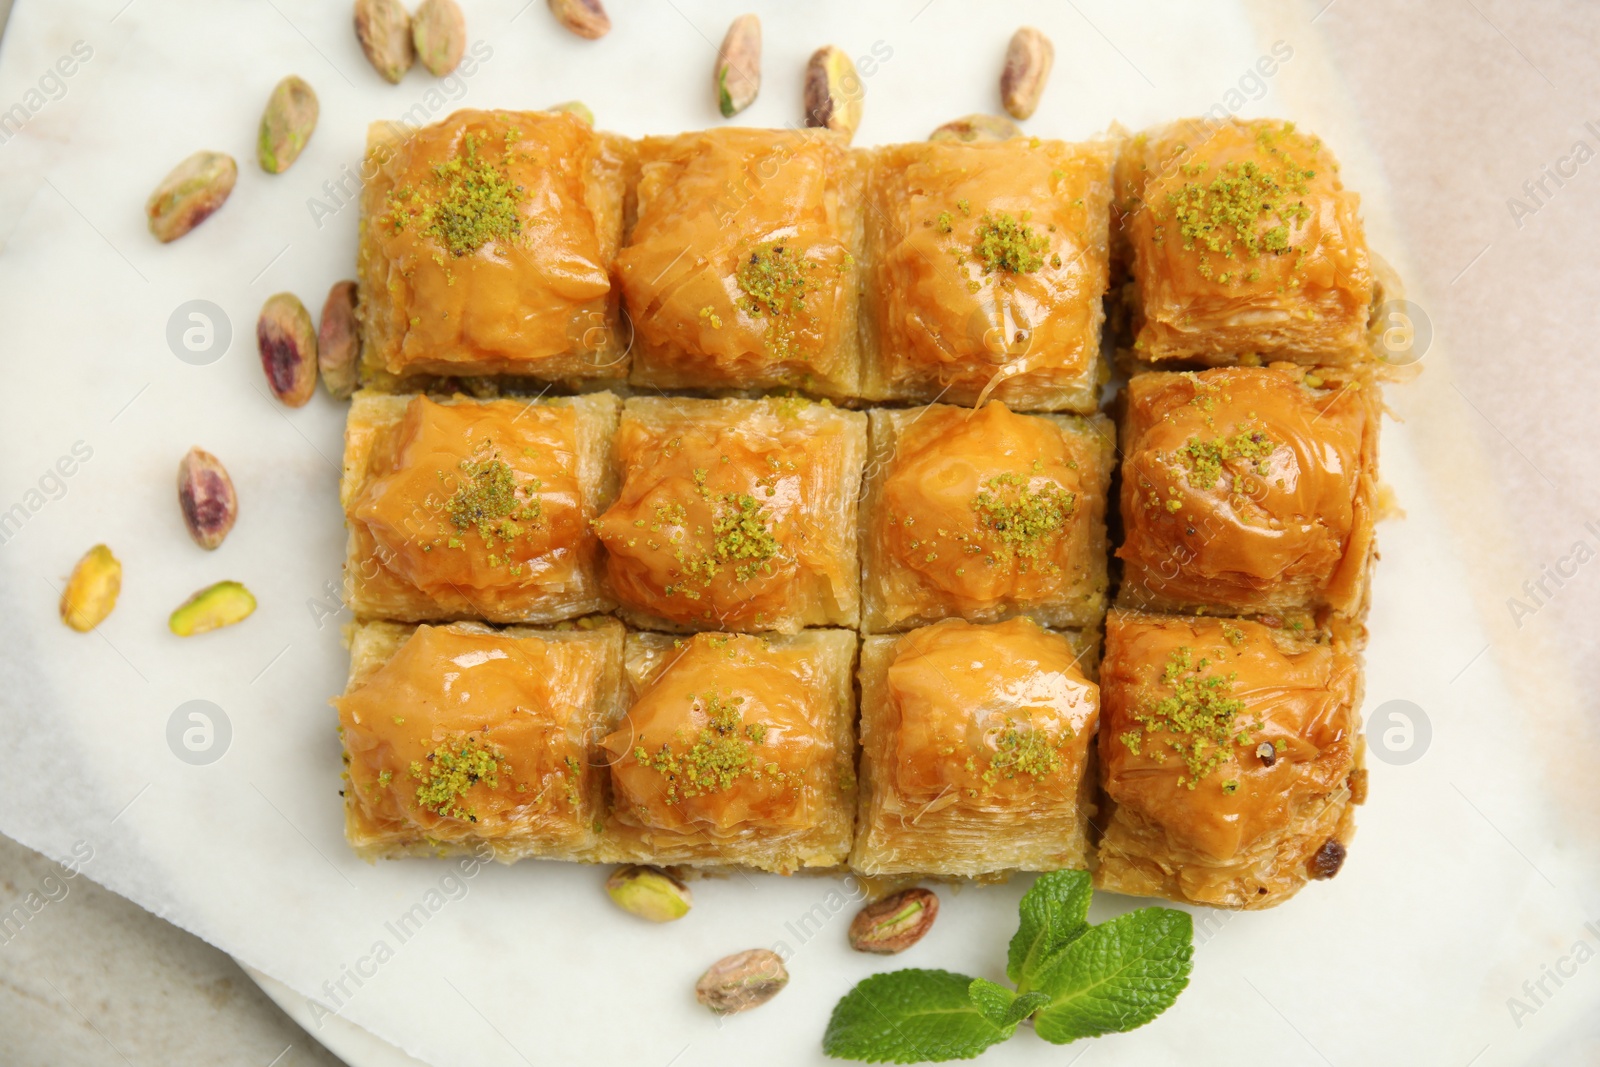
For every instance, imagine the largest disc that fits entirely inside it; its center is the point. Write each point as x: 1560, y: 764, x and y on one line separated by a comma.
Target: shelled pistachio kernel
x: 339, y: 340
x: 894, y: 923
x: 287, y: 124
x: 287, y: 343
x: 439, y: 34
x: 576, y: 108
x: 969, y: 128
x: 1029, y: 57
x: 207, y: 497
x: 742, y: 981
x: 92, y: 589
x: 586, y: 18
x: 383, y: 29
x: 833, y: 91
x: 650, y: 893
x: 212, y: 608
x: 190, y: 193
x: 737, y: 75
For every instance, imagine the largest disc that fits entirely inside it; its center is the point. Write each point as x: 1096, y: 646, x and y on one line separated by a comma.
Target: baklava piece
x: 975, y: 744
x: 1249, y: 490
x: 1244, y: 245
x: 985, y: 514
x: 487, y: 244
x: 741, y: 271
x: 988, y: 265
x: 1228, y: 752
x: 459, y: 738
x: 736, y: 751
x: 735, y: 514
x: 478, y: 509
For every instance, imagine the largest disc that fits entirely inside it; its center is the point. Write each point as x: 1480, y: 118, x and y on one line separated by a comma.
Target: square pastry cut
x: 1249, y: 490
x: 1229, y: 753
x: 736, y: 514
x: 1244, y: 246
x: 476, y: 508
x: 985, y: 514
x: 462, y: 738
x: 975, y: 744
x: 988, y: 264
x: 736, y: 751
x: 741, y: 271
x: 486, y: 247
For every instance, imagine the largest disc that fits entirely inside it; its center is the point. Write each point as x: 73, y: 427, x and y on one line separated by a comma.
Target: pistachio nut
x: 212, y: 608
x: 833, y: 91
x: 439, y: 33
x: 384, y: 30
x: 586, y: 18
x: 894, y: 923
x: 738, y: 72
x: 1029, y: 57
x: 339, y: 341
x: 206, y: 495
x: 91, y: 590
x: 187, y: 196
x: 969, y: 128
x: 576, y: 107
x: 650, y: 893
x: 286, y: 124
x: 742, y: 981
x: 288, y: 346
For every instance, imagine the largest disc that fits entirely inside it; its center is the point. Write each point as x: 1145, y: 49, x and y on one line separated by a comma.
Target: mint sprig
x: 1075, y: 980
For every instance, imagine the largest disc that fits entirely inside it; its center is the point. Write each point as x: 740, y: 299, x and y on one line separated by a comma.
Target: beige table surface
x: 1463, y: 101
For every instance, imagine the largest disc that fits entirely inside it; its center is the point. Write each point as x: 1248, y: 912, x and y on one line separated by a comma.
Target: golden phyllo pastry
x: 735, y: 514
x: 735, y: 751
x: 1249, y: 490
x: 741, y: 271
x: 1228, y: 750
x: 1245, y: 246
x: 975, y: 743
x: 459, y: 738
x: 487, y: 244
x: 989, y: 261
x: 476, y: 509
x: 985, y: 514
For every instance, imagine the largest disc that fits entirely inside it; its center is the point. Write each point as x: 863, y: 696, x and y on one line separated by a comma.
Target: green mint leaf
x: 1117, y: 976
x: 910, y: 1017
x: 1055, y: 912
x: 1002, y: 1006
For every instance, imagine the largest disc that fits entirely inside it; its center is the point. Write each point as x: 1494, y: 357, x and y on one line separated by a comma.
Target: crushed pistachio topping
x: 1248, y: 209
x: 1005, y: 243
x: 486, y: 500
x: 1203, y: 460
x: 1197, y: 720
x: 1019, y: 518
x: 452, y: 770
x: 741, y: 536
x: 775, y: 279
x: 722, y: 752
x: 1021, y: 749
x: 463, y: 204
